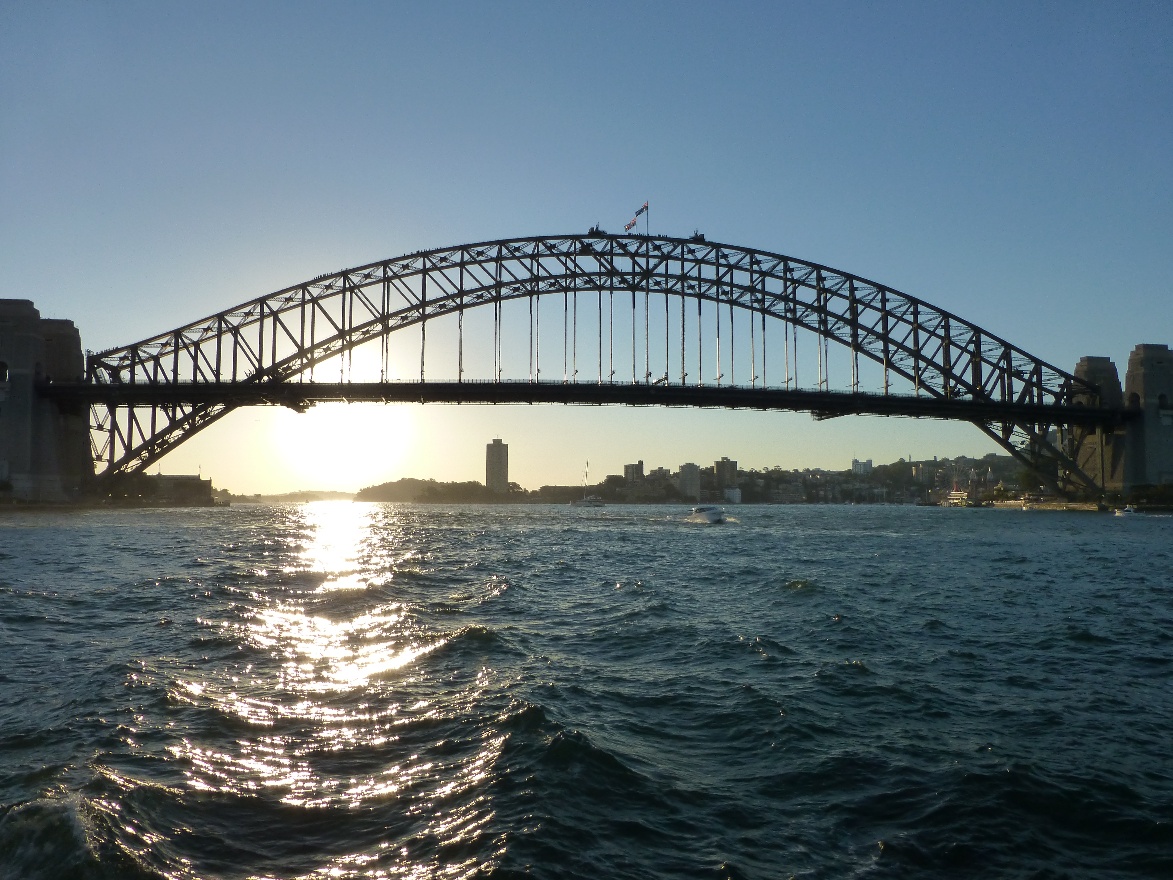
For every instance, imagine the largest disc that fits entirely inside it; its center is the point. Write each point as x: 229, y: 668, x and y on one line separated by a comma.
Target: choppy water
x: 350, y: 690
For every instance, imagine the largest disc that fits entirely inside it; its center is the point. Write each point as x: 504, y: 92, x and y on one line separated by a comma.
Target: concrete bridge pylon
x: 1148, y: 386
x: 44, y: 444
x: 1138, y: 453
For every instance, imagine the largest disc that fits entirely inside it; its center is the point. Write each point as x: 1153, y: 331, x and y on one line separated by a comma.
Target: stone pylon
x: 1148, y: 387
x: 1139, y: 453
x: 44, y: 451
x: 1101, y: 453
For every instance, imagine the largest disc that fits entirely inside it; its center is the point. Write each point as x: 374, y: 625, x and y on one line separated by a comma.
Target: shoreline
x: 1050, y: 505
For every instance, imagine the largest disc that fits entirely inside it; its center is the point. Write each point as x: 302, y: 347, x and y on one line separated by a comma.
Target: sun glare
x: 340, y: 530
x: 343, y: 446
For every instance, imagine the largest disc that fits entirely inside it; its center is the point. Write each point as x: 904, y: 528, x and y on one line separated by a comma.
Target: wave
x: 52, y: 838
x: 1040, y: 822
x: 475, y: 641
x: 477, y: 696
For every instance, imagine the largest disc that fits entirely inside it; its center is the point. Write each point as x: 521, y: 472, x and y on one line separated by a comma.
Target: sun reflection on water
x: 324, y: 647
x: 334, y: 708
x: 340, y: 531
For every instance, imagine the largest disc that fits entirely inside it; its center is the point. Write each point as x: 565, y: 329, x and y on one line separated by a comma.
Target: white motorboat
x: 709, y: 513
x: 1127, y: 510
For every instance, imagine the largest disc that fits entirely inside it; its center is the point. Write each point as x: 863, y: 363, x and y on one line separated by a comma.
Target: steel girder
x: 282, y: 336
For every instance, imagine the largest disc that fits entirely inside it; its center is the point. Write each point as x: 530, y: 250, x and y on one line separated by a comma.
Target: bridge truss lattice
x: 720, y: 309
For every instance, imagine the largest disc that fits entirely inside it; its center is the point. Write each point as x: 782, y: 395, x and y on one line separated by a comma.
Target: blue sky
x: 1008, y: 162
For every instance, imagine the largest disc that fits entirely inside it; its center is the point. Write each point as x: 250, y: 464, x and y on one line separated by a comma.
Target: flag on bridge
x: 631, y: 225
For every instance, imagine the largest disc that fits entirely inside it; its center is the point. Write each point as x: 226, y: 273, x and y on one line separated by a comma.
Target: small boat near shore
x: 708, y: 513
x: 1126, y: 510
x: 587, y: 500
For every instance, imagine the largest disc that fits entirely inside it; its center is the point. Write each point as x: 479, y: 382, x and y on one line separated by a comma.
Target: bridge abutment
x: 1148, y: 386
x: 44, y: 447
x: 1138, y: 454
x: 1101, y: 453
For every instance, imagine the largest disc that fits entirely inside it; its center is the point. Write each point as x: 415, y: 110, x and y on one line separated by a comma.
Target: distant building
x: 861, y: 468
x: 725, y: 472
x: 497, y: 467
x: 787, y: 493
x: 688, y: 482
x: 633, y: 473
x: 184, y: 490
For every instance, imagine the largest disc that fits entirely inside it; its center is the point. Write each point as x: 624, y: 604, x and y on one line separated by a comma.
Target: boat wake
x: 709, y: 514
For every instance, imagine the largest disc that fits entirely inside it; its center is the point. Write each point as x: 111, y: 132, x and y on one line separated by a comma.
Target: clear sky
x: 1008, y: 162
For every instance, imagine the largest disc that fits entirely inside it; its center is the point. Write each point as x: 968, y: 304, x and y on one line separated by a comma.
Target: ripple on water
x: 391, y: 691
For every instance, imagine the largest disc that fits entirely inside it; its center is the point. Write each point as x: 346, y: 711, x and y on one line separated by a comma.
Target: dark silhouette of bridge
x: 590, y: 319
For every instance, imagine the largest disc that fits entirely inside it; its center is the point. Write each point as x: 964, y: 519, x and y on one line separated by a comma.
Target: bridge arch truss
x: 147, y: 397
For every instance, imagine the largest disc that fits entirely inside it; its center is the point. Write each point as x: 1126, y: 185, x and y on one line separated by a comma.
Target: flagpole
x: 634, y: 224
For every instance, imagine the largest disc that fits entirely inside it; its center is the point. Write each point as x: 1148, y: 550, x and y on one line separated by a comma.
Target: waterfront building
x: 497, y: 467
x: 688, y: 482
x: 633, y: 473
x: 787, y: 493
x: 181, y: 490
x: 725, y: 472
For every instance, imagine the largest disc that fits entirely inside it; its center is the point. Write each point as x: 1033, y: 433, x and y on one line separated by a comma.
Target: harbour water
x: 346, y: 690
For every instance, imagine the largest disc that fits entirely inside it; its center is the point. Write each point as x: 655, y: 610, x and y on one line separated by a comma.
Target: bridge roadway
x: 823, y: 404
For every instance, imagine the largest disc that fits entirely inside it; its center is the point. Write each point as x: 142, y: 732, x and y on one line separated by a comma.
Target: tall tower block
x: 497, y: 467
x: 44, y: 451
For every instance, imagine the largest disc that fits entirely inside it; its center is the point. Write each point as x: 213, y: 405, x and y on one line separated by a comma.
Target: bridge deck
x: 826, y: 404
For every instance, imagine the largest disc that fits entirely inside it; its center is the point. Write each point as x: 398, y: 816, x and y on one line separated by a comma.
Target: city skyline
x: 1006, y: 164
x: 692, y: 436
x: 932, y: 481
x: 724, y: 468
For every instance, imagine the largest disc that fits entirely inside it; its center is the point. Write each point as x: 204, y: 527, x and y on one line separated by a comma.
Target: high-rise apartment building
x: 633, y: 473
x: 725, y: 473
x: 688, y: 482
x: 497, y: 467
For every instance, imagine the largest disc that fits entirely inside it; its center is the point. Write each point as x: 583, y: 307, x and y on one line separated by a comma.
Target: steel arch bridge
x: 679, y: 309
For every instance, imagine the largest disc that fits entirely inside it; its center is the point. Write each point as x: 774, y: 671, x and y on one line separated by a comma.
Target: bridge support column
x: 44, y: 448
x: 1101, y: 453
x: 1148, y: 386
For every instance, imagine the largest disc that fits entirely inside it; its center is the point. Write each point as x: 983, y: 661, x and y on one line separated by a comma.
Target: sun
x: 342, y: 446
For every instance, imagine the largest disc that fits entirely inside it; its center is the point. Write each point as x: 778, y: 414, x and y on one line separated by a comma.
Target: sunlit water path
x: 377, y: 691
